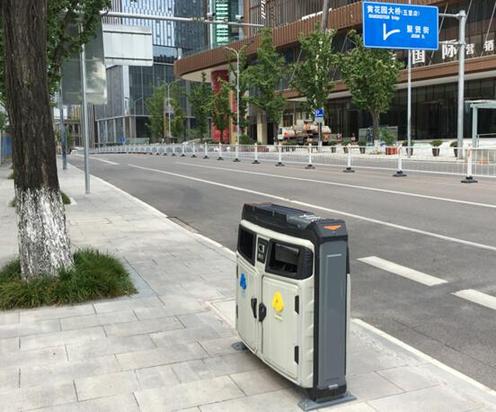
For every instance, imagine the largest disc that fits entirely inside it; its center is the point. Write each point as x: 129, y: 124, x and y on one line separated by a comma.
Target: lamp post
x: 168, y: 85
x: 236, y: 52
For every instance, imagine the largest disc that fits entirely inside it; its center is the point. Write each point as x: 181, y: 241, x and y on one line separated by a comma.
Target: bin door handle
x: 262, y: 312
x: 254, y: 307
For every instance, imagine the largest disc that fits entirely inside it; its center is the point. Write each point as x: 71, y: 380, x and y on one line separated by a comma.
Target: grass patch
x: 65, y: 199
x: 95, y: 275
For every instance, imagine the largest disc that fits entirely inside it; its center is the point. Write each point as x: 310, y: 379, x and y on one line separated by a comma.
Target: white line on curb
x: 424, y: 356
x: 402, y: 271
x: 100, y: 160
x: 477, y: 297
x: 339, y: 212
x: 372, y: 189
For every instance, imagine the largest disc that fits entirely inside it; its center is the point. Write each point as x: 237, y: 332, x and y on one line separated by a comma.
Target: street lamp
x: 168, y: 85
x: 236, y: 52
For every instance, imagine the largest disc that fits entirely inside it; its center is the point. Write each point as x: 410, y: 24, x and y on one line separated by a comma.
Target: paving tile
x: 260, y: 381
x: 410, y: 378
x: 109, y: 346
x: 353, y: 406
x: 435, y: 399
x: 156, y: 376
x: 9, y: 379
x: 38, y: 397
x: 106, y: 385
x: 127, y: 304
x: 184, y: 335
x: 371, y: 386
x: 9, y: 317
x: 56, y: 312
x: 221, y: 346
x: 182, y: 305
x: 371, y: 360
x: 81, y: 322
x: 161, y: 356
x: 187, y: 395
x: 118, y: 403
x: 152, y: 313
x: 9, y: 345
x: 67, y: 371
x: 29, y: 328
x: 143, y: 326
x: 33, y: 357
x: 209, y: 318
x: 61, y: 338
x: 279, y: 401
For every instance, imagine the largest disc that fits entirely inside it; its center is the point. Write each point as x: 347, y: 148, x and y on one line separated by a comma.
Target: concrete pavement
x: 430, y: 224
x: 169, y: 346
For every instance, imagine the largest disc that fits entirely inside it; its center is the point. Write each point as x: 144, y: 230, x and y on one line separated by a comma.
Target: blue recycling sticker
x: 242, y: 281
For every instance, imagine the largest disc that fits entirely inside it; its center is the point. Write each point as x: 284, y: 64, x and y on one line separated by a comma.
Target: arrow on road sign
x: 386, y: 34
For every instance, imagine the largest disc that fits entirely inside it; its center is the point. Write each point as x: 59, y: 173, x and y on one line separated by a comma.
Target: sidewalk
x: 168, y: 348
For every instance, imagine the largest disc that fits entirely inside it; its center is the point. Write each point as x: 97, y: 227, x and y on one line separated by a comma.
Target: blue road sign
x: 319, y: 112
x: 400, y: 26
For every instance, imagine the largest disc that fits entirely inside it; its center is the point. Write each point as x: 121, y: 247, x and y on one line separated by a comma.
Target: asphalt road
x: 429, y: 223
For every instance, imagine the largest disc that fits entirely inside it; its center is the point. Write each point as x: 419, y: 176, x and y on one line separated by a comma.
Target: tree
x: 221, y: 111
x: 311, y: 75
x: 265, y: 77
x: 370, y: 75
x: 244, y: 87
x: 155, y: 107
x: 35, y: 42
x: 200, y: 98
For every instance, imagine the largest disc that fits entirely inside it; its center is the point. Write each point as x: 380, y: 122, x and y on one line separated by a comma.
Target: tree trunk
x: 375, y: 125
x: 44, y: 246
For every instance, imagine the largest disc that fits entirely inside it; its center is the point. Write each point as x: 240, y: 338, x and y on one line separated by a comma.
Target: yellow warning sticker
x: 277, y: 302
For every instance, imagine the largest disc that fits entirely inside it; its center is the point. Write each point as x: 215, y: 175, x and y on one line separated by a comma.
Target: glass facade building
x: 125, y: 116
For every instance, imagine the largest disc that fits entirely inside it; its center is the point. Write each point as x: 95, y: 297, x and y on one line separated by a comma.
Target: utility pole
x: 85, y: 121
x: 409, y: 104
x: 238, y: 97
x: 63, y: 136
x: 325, y: 15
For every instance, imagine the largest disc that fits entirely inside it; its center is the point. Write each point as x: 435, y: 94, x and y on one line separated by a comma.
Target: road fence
x: 466, y: 161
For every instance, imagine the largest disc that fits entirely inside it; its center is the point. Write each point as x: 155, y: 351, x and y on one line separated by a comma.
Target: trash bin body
x: 292, y: 295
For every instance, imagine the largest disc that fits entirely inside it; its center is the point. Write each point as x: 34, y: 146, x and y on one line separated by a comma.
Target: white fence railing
x: 424, y: 159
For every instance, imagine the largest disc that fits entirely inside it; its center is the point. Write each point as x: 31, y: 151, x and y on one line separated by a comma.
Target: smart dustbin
x: 292, y: 297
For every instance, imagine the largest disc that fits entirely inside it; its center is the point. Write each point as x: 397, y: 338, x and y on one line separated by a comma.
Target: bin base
x: 399, y: 173
x: 348, y: 170
x: 311, y: 405
x: 469, y: 179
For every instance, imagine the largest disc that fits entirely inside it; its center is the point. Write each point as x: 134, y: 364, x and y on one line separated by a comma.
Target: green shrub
x: 436, y: 143
x: 362, y: 142
x: 332, y: 143
x: 454, y: 143
x: 388, y: 137
x: 94, y: 276
x: 244, y: 139
x: 346, y: 141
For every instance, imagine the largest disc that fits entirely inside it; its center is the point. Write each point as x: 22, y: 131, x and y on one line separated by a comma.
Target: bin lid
x: 294, y: 222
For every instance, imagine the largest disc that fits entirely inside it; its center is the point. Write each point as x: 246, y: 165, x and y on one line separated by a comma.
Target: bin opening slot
x: 285, y: 258
x: 246, y: 244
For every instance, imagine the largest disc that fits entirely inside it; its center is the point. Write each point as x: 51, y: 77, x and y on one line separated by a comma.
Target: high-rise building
x: 125, y: 116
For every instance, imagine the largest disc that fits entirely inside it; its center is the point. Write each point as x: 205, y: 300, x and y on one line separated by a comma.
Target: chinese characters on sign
x: 400, y: 26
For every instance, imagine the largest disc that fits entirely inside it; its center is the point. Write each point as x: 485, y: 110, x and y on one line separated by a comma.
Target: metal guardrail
x: 423, y: 159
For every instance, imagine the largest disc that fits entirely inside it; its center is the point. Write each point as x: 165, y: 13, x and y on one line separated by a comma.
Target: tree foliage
x: 370, y: 75
x: 265, y: 77
x: 312, y: 75
x: 62, y: 41
x: 155, y: 107
x: 244, y: 86
x: 200, y: 98
x: 221, y: 110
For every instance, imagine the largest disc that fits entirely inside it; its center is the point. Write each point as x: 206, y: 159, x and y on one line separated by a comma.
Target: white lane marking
x: 403, y: 271
x: 424, y: 356
x: 97, y: 158
x: 360, y: 187
x: 475, y: 296
x: 326, y: 209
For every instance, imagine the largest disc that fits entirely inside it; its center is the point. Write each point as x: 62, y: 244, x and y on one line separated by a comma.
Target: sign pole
x: 409, y: 104
x: 462, y: 16
x: 85, y: 122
